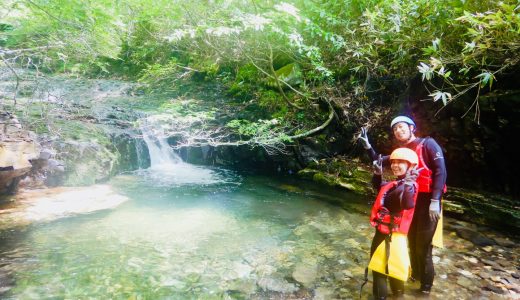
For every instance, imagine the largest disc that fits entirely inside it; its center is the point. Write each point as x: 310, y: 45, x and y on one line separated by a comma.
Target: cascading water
x: 143, y: 160
x: 166, y: 166
x: 161, y: 154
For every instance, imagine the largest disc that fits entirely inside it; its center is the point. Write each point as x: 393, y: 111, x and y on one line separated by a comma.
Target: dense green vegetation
x: 294, y: 65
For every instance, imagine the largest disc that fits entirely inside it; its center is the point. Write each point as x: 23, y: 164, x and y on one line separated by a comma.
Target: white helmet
x: 402, y: 119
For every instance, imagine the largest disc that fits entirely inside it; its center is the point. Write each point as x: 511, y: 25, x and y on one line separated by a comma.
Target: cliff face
x: 17, y: 148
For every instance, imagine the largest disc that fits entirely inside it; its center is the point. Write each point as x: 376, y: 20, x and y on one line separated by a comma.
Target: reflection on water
x: 218, y: 235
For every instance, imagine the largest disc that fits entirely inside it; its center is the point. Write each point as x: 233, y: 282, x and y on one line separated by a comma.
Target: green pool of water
x: 215, y: 235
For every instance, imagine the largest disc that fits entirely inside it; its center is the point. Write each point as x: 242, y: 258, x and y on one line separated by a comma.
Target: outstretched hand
x: 363, y: 138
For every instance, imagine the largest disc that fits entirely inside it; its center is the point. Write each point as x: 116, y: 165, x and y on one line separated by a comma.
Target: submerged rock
x: 54, y: 203
x: 305, y: 274
x: 276, y: 285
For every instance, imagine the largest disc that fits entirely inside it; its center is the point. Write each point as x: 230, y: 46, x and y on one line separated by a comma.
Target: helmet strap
x: 409, y: 140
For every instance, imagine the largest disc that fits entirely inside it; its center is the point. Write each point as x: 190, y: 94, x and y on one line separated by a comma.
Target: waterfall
x: 161, y: 154
x: 166, y: 166
x: 142, y: 156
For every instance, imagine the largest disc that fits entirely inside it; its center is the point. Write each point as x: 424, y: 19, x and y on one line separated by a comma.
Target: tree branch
x: 277, y: 80
x: 215, y: 138
x: 15, y: 74
x: 52, y: 16
x: 319, y: 128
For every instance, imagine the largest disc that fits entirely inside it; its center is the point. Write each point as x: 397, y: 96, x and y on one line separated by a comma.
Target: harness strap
x: 364, y: 282
x: 388, y: 239
x: 392, y: 223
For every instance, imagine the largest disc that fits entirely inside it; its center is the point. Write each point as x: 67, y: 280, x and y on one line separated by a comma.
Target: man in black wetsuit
x: 431, y: 180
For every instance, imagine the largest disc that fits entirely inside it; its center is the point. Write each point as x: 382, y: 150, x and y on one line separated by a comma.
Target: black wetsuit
x: 396, y: 199
x: 422, y: 229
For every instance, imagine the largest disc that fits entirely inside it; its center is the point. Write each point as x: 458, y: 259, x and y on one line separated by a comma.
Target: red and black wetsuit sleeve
x: 434, y: 159
x: 377, y: 182
x: 374, y: 156
x: 408, y: 195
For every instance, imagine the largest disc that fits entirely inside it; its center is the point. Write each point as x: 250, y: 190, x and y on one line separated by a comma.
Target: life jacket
x: 425, y: 175
x: 386, y: 222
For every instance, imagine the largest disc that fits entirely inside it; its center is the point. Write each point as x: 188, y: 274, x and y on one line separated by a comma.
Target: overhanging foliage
x: 288, y: 57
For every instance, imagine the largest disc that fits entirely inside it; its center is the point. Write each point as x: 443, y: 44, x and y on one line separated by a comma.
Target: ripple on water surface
x: 179, y: 174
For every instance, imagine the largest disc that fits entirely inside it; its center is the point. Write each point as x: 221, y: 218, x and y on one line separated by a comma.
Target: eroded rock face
x: 17, y: 148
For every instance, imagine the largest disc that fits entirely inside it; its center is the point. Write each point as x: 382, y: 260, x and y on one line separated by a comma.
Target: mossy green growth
x: 87, y: 163
x: 82, y: 131
x: 324, y: 178
x: 81, y: 143
x: 341, y: 172
x: 483, y: 208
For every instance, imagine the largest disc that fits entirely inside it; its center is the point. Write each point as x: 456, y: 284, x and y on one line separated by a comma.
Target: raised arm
x: 363, y: 138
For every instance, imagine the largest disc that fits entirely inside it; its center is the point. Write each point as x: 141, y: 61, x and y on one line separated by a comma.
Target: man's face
x: 402, y: 131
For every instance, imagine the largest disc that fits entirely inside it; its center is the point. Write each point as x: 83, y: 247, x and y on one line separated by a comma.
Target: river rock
x: 487, y: 249
x: 494, y: 289
x: 471, y: 259
x: 504, y: 242
x: 475, y: 237
x: 276, y: 284
x: 305, y: 274
x: 47, y: 154
x: 242, y: 270
x: 504, y: 263
x: 466, y: 273
x: 484, y: 275
x: 322, y: 293
x: 239, y: 287
x: 436, y: 259
x: 352, y: 243
x: 55, y: 165
x: 465, y: 282
x: 490, y: 262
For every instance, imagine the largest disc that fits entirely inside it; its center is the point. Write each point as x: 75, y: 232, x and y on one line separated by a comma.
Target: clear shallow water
x: 225, y: 236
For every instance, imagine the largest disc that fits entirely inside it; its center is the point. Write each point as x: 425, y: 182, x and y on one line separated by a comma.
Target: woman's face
x: 402, y: 131
x: 399, y: 167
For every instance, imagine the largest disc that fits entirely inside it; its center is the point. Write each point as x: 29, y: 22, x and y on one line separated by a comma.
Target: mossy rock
x: 482, y: 208
x: 307, y: 173
x: 355, y: 186
x: 324, y: 178
x: 87, y: 163
x: 360, y: 182
x: 341, y: 172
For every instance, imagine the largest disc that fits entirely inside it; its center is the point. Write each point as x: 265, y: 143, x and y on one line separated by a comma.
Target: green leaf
x: 486, y: 78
